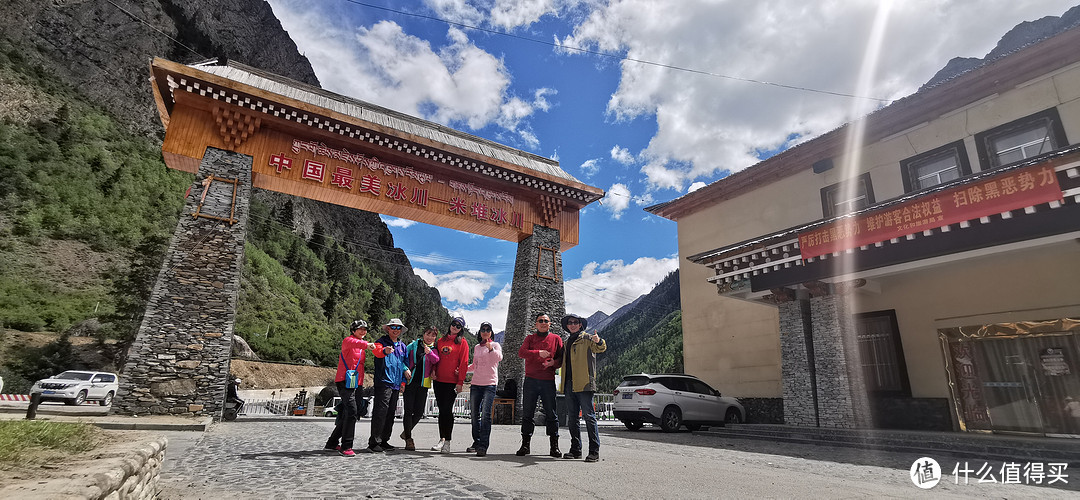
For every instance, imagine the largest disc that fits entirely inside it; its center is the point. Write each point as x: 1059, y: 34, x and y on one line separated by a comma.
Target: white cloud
x: 590, y: 167
x: 707, y: 125
x: 455, y: 83
x: 617, y: 199
x: 396, y: 222
x: 621, y: 155
x: 462, y: 287
x: 610, y: 285
x: 695, y: 186
x: 494, y: 312
x: 603, y: 286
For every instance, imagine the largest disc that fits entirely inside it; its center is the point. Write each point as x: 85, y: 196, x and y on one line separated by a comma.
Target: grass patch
x: 30, y: 441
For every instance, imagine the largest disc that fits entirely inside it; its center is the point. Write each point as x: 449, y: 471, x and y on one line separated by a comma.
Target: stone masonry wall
x: 529, y: 296
x: 179, y: 361
x: 842, y: 400
x: 797, y: 368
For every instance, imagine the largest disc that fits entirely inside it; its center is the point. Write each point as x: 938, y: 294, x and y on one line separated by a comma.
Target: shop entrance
x: 1016, y: 377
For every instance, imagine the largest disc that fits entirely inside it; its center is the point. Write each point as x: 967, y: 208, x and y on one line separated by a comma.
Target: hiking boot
x: 445, y: 447
x: 347, y: 452
x: 592, y: 457
x: 471, y: 449
x: 387, y: 446
x: 572, y: 454
x: 555, y: 453
x: 481, y: 452
x: 375, y: 448
x: 524, y: 450
x: 438, y: 447
x: 410, y: 445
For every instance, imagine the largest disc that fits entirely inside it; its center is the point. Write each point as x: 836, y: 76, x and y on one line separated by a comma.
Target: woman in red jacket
x: 449, y: 378
x: 352, y: 358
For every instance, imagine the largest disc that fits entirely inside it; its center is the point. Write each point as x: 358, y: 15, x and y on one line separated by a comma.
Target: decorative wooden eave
x: 352, y: 119
x: 773, y: 260
x: 924, y: 106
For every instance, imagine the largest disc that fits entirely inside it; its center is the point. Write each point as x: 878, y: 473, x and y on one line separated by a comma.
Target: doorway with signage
x: 1016, y: 377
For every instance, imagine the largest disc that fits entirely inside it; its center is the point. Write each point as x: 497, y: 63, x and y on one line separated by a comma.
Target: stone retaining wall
x: 132, y: 474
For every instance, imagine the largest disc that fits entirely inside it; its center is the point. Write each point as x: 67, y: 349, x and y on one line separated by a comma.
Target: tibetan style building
x: 930, y: 279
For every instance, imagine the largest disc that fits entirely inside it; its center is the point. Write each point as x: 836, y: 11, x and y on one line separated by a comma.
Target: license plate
x: 628, y: 395
x: 48, y: 392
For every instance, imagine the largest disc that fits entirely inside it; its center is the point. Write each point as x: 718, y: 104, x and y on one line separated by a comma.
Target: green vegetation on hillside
x: 87, y: 209
x: 660, y: 352
x: 299, y: 296
x: 647, y: 338
x: 72, y: 173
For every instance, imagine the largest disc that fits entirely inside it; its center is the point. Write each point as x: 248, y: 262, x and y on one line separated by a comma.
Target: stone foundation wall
x: 797, y: 366
x: 764, y: 410
x: 179, y: 361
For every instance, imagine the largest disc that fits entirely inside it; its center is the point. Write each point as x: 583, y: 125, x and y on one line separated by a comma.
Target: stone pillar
x: 537, y: 288
x: 797, y: 363
x: 179, y: 361
x: 842, y: 399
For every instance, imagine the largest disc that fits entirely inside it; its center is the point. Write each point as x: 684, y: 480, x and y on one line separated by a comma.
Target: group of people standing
x: 442, y: 362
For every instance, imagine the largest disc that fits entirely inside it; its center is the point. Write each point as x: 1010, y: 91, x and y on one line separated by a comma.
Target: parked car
x: 76, y: 387
x: 331, y: 409
x: 672, y: 401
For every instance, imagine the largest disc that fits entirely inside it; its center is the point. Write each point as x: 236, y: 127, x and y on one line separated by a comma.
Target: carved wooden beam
x: 235, y: 125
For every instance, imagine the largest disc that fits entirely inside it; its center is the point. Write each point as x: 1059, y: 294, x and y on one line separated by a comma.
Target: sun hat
x: 566, y: 319
x: 396, y: 322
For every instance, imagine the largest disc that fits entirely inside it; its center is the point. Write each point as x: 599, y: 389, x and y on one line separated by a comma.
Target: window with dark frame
x: 882, y: 354
x: 1020, y: 139
x: 935, y: 167
x: 848, y: 196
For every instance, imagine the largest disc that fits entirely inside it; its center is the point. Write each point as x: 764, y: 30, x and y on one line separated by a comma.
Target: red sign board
x: 993, y: 195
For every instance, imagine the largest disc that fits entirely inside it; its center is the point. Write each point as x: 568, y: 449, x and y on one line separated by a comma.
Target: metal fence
x: 603, y: 403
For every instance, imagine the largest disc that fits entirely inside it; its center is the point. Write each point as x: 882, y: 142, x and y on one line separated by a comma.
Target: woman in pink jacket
x: 485, y: 370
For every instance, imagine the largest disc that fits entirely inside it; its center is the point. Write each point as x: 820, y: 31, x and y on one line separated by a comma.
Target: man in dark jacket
x: 390, y: 377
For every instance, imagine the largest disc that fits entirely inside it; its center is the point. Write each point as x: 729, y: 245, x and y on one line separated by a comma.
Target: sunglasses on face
x: 485, y: 329
x: 573, y: 322
x: 395, y: 327
x: 543, y: 321
x: 455, y: 325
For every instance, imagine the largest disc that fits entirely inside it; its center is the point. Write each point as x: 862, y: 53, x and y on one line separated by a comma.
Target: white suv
x: 76, y: 387
x: 673, y: 400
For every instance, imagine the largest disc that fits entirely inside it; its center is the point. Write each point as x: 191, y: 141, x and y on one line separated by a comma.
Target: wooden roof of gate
x: 240, y: 102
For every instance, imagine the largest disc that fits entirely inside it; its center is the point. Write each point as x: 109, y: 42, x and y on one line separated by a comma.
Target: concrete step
x: 984, y: 446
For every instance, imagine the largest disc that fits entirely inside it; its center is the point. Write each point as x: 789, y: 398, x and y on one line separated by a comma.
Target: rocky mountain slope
x: 73, y: 87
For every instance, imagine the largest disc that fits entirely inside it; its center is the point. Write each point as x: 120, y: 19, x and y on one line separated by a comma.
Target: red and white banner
x: 993, y: 195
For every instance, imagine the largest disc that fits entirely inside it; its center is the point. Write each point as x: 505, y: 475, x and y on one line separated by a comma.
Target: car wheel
x: 693, y: 427
x: 671, y: 419
x: 632, y: 424
x: 80, y: 399
x: 733, y: 416
x: 108, y: 399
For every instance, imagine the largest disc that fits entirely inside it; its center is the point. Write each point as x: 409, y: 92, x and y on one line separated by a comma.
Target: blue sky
x: 642, y: 132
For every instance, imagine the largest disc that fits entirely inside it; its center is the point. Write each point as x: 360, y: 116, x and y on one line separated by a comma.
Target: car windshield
x: 75, y: 376
x: 631, y: 380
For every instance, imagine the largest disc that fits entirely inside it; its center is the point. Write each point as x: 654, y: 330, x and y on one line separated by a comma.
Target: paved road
x: 282, y: 458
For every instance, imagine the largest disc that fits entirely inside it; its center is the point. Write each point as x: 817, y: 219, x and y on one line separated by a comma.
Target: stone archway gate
x: 236, y: 127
